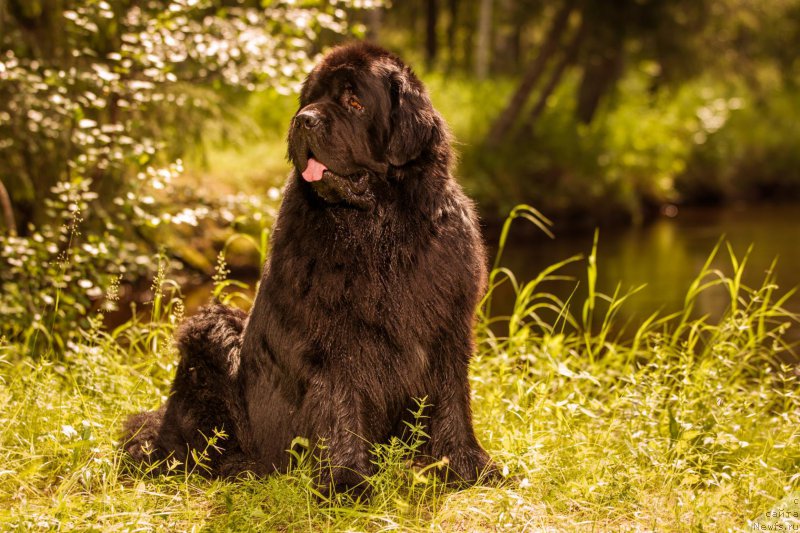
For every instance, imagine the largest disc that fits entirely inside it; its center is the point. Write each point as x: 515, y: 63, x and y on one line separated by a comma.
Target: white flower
x: 94, y: 292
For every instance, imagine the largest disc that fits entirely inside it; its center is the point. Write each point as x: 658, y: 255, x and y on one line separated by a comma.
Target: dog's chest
x: 369, y: 316
x: 372, y: 302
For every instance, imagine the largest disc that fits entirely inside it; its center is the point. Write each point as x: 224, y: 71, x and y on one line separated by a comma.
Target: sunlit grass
x: 683, y: 424
x: 247, y: 150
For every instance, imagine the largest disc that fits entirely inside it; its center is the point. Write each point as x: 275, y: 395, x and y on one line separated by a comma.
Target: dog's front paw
x: 237, y: 465
x: 471, y: 466
x: 342, y: 480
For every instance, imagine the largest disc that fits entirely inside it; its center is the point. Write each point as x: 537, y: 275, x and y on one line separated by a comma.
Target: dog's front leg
x: 337, y: 426
x: 451, y: 432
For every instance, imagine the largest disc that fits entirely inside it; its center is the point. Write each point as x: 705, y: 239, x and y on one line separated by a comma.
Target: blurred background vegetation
x: 598, y: 111
x: 583, y: 107
x: 592, y: 111
x: 131, y: 128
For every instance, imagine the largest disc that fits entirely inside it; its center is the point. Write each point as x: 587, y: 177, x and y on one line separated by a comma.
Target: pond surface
x: 667, y: 255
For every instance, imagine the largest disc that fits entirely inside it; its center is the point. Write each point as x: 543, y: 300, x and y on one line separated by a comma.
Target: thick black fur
x: 366, y: 302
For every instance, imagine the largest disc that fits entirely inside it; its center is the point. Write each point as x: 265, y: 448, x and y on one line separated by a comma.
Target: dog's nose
x: 308, y: 119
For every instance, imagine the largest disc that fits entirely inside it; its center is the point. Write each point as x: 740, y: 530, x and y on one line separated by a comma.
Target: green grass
x: 245, y: 150
x: 685, y: 425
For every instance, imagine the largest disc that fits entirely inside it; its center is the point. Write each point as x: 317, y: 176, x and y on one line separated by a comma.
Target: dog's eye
x: 354, y: 103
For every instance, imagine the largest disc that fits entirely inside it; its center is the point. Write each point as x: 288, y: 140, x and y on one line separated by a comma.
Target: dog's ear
x: 413, y: 120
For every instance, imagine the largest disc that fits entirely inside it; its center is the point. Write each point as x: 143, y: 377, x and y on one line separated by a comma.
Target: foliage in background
x: 681, y: 102
x: 100, y: 90
x: 701, y: 141
x: 755, y: 155
x: 97, y: 100
x: 597, y: 113
x: 687, y: 425
x: 55, y: 278
x: 635, y: 156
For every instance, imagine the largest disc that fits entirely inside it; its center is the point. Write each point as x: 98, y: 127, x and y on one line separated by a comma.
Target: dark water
x: 668, y: 254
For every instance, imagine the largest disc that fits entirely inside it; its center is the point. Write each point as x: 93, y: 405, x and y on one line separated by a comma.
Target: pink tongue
x: 314, y: 170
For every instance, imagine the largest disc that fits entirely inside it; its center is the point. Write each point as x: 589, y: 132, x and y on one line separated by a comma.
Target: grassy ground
x: 687, y: 425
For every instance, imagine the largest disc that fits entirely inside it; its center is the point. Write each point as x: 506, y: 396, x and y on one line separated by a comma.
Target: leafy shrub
x: 97, y: 90
x: 54, y: 278
x: 50, y: 278
x: 628, y: 157
x: 96, y: 101
x: 706, y: 139
x: 756, y: 155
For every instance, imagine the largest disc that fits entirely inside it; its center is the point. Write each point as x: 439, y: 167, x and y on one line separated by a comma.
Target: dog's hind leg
x: 141, y: 432
x: 205, y: 400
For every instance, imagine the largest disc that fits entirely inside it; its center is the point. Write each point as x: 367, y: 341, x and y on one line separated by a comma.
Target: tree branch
x: 558, y: 72
x: 505, y: 121
x: 8, y: 212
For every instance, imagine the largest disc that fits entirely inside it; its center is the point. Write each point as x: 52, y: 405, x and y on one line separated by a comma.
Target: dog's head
x: 362, y: 113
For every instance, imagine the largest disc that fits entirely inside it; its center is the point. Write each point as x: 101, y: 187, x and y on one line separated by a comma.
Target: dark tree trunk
x: 42, y: 26
x: 557, y: 74
x: 8, y: 211
x: 483, y: 48
x: 505, y: 121
x: 431, y: 41
x: 411, y: 11
x: 374, y: 23
x: 452, y: 29
x: 600, y: 73
x: 516, y: 44
x: 469, y: 18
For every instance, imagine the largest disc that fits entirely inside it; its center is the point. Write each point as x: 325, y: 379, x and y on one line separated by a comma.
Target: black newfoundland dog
x: 366, y: 302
